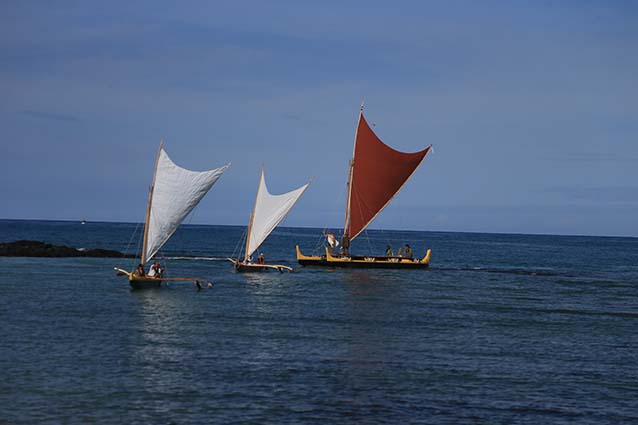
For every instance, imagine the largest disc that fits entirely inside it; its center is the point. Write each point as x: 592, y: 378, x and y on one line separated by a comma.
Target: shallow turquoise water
x: 501, y: 329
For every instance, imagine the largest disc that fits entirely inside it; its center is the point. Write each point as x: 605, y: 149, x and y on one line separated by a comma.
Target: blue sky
x: 532, y: 108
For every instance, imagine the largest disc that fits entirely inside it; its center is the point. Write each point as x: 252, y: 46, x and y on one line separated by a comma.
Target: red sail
x: 378, y: 173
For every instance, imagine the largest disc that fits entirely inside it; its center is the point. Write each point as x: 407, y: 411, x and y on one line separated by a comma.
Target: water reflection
x: 375, y: 309
x: 159, y: 349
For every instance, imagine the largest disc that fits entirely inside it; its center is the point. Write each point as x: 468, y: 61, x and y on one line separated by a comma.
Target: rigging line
x: 361, y: 202
x: 336, y: 200
x: 130, y: 241
x: 238, y: 246
x: 190, y: 221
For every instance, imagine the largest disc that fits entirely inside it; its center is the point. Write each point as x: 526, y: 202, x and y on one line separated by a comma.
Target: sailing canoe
x: 269, y: 210
x: 377, y: 173
x: 174, y: 193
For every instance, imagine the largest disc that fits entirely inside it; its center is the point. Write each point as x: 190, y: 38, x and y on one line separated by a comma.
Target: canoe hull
x: 144, y: 282
x: 363, y: 261
x: 258, y: 268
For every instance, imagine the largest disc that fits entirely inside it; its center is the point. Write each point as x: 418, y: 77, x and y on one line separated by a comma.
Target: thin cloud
x: 592, y: 158
x: 608, y: 194
x: 49, y: 115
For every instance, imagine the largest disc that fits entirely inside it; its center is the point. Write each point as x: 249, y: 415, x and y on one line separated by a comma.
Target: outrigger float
x: 268, y: 212
x: 174, y: 192
x: 377, y: 173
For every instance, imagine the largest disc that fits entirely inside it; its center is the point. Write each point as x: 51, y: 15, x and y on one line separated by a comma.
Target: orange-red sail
x: 378, y: 173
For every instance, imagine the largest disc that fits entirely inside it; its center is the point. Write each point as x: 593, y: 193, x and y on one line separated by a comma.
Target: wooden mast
x: 252, y: 215
x: 150, y: 201
x: 350, y: 172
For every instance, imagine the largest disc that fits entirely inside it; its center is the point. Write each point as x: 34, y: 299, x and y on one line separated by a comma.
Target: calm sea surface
x: 501, y: 329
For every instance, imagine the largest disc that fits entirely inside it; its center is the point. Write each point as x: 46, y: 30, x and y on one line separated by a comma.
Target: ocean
x: 509, y: 329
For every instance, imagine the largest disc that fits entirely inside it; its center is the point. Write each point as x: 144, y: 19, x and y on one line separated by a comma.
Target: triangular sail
x: 378, y: 173
x: 268, y: 212
x: 176, y: 191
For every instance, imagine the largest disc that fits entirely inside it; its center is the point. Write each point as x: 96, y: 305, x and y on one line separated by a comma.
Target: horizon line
x: 312, y: 227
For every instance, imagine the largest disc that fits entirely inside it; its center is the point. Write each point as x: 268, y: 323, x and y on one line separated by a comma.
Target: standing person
x: 408, y: 251
x: 332, y: 242
x: 345, y: 244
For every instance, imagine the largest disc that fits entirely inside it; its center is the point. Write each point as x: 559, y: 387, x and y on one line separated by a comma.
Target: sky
x: 531, y: 106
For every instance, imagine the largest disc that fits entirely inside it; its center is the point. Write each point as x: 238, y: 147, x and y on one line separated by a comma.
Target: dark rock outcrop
x: 41, y: 249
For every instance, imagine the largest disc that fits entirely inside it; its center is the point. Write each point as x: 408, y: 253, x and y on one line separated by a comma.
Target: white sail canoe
x: 174, y: 193
x: 268, y: 212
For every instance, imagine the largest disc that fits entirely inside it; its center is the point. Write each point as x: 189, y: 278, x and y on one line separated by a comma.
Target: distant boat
x: 268, y: 212
x: 377, y: 173
x: 83, y: 222
x: 174, y: 193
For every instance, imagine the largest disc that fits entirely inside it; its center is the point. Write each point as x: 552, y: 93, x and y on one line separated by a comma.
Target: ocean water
x: 502, y: 329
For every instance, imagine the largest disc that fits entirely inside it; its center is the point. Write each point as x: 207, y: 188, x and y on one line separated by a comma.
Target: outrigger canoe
x: 173, y: 194
x: 267, y: 213
x: 147, y: 282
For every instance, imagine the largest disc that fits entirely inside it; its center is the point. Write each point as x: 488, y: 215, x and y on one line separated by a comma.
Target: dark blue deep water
x: 502, y: 329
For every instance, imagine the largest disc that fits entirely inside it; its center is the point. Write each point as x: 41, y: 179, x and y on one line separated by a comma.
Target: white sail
x: 176, y: 192
x: 268, y: 212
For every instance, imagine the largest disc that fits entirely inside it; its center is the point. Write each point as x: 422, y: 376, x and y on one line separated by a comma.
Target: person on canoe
x: 140, y: 271
x: 261, y: 259
x: 345, y: 244
x: 388, y: 251
x: 156, y: 270
x: 332, y: 242
x: 407, y: 253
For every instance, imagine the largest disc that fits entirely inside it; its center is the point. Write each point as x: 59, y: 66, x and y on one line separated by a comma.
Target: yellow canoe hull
x: 363, y: 261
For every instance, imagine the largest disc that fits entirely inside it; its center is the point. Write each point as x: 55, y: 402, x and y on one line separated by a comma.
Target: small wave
x: 522, y: 272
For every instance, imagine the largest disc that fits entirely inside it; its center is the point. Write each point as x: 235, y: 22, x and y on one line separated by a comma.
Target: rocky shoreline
x: 26, y: 248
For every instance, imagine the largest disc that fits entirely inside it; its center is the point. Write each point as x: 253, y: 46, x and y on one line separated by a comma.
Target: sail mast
x: 350, y: 171
x: 252, y: 215
x: 150, y: 201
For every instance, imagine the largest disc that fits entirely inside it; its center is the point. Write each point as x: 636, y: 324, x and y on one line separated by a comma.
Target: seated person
x: 155, y: 270
x: 388, y: 251
x: 140, y: 271
x: 261, y: 259
x: 408, y: 251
